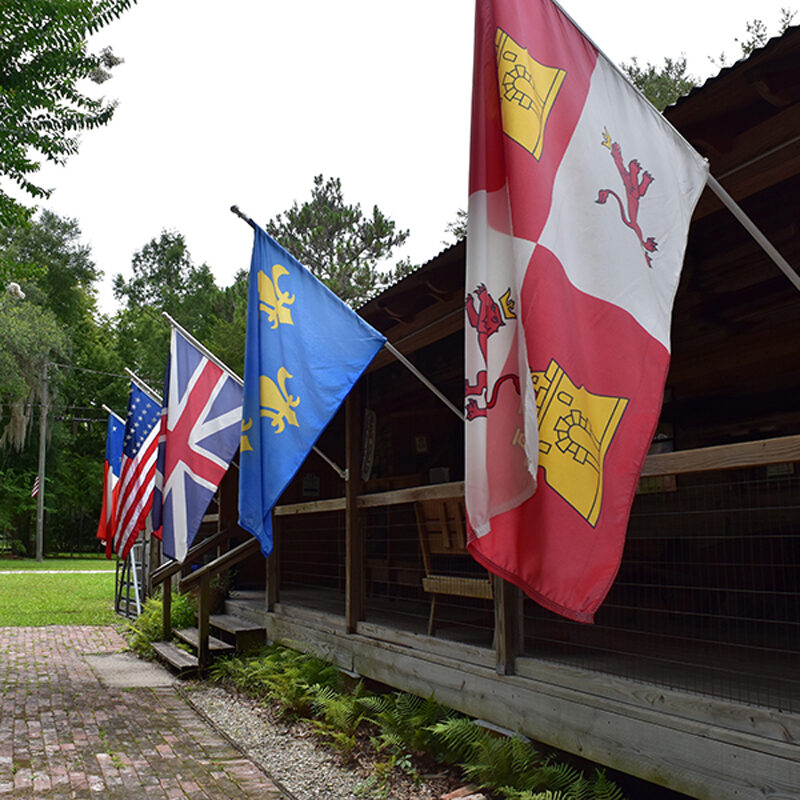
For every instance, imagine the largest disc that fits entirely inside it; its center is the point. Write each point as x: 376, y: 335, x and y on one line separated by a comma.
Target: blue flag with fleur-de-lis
x: 304, y: 350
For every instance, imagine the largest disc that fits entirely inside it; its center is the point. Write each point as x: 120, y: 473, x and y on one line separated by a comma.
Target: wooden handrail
x: 702, y: 459
x: 201, y: 548
x: 225, y: 561
x: 726, y: 456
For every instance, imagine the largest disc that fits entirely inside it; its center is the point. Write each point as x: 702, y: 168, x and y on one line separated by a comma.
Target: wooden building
x: 690, y: 677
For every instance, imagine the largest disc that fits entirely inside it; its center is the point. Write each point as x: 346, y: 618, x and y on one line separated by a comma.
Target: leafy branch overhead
x: 43, y: 59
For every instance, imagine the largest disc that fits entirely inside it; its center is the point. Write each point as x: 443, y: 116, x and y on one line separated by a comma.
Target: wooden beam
x: 727, y: 456
x: 354, y: 535
x: 272, y: 594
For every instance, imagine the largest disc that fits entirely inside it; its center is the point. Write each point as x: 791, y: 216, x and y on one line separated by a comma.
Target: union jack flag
x: 200, y: 429
x: 138, y: 473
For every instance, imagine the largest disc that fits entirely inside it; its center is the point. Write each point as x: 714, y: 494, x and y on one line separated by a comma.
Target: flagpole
x: 414, y: 371
x: 113, y: 413
x: 754, y: 231
x: 154, y: 395
x: 204, y: 350
x: 711, y: 181
x: 387, y: 344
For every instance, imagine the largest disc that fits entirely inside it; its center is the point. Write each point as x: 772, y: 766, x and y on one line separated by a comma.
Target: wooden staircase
x: 215, y: 634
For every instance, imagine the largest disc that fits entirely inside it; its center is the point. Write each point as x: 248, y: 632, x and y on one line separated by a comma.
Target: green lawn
x: 32, y: 598
x: 57, y: 563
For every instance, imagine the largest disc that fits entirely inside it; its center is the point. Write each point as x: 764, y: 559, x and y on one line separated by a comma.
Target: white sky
x: 243, y: 102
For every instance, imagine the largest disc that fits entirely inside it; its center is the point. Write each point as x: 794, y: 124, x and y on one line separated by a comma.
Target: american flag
x: 137, y: 477
x: 200, y: 433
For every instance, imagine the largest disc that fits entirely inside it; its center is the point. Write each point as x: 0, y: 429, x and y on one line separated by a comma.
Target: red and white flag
x: 35, y: 487
x: 138, y: 471
x: 580, y: 200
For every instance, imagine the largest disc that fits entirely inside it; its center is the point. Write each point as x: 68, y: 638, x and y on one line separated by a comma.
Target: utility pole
x: 42, y: 454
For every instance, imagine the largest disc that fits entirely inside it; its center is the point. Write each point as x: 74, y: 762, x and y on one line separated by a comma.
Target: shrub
x: 147, y: 628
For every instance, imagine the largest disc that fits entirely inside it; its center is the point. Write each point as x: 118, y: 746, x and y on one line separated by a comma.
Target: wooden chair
x: 442, y: 533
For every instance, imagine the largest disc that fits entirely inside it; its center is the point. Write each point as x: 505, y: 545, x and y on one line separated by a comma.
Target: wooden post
x: 166, y: 608
x: 273, y: 560
x: 354, y: 539
x: 508, y: 620
x: 203, y: 613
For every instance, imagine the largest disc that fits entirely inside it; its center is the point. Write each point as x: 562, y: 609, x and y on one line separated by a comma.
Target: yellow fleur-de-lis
x: 277, y: 403
x: 272, y: 300
x: 244, y: 443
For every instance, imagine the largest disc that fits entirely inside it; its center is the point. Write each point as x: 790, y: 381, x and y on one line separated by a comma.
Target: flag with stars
x: 111, y: 470
x: 138, y: 471
x: 304, y: 350
x: 199, y: 437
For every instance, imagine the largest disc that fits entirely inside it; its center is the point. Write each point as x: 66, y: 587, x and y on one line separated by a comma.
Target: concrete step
x: 178, y: 659
x: 192, y: 637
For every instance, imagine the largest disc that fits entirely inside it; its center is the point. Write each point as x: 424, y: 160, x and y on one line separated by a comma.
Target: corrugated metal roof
x: 772, y: 42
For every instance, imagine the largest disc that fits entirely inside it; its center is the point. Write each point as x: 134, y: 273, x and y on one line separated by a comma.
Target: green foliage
x: 286, y: 677
x: 342, y: 714
x: 43, y: 60
x: 164, y: 279
x: 662, y: 86
x: 339, y: 244
x: 757, y: 36
x: 407, y: 722
x: 148, y: 627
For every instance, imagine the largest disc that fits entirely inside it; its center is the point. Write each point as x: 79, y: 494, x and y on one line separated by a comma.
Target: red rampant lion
x: 487, y: 319
x: 635, y: 190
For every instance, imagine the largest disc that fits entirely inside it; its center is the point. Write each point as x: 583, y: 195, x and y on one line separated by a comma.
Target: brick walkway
x: 63, y: 734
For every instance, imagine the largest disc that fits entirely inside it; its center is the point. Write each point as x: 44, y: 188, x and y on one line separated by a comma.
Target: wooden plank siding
x: 709, y: 749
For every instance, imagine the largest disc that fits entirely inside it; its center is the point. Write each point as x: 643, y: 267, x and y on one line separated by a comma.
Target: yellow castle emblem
x: 272, y: 300
x: 575, y: 430
x: 528, y: 90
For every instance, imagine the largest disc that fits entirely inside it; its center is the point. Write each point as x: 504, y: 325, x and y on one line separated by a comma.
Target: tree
x: 339, y: 244
x: 164, y: 279
x: 458, y: 227
x: 664, y: 85
x: 43, y: 58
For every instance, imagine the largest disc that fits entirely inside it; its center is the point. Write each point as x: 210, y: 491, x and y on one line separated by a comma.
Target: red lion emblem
x: 635, y: 190
x: 487, y: 319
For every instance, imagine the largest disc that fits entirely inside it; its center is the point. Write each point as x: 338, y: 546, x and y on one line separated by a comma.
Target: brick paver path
x: 63, y: 734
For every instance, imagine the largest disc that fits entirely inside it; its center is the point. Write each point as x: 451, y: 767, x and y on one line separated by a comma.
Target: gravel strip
x: 288, y: 753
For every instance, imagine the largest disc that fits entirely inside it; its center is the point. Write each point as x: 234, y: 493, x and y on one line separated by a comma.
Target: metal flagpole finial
x: 236, y: 210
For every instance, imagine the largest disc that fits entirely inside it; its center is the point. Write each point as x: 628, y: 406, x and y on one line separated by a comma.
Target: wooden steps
x: 241, y: 633
x: 177, y: 658
x: 215, y: 646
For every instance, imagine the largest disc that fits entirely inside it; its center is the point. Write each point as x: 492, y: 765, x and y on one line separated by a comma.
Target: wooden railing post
x: 273, y: 560
x: 508, y: 625
x: 354, y: 537
x: 203, y: 613
x: 166, y: 608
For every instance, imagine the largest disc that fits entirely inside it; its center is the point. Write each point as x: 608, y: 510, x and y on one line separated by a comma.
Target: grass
x: 59, y: 563
x: 36, y: 599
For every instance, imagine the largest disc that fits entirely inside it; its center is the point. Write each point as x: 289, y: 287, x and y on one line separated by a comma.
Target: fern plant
x: 405, y: 722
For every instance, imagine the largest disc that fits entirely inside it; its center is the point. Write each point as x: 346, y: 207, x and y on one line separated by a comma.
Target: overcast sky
x: 245, y: 101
